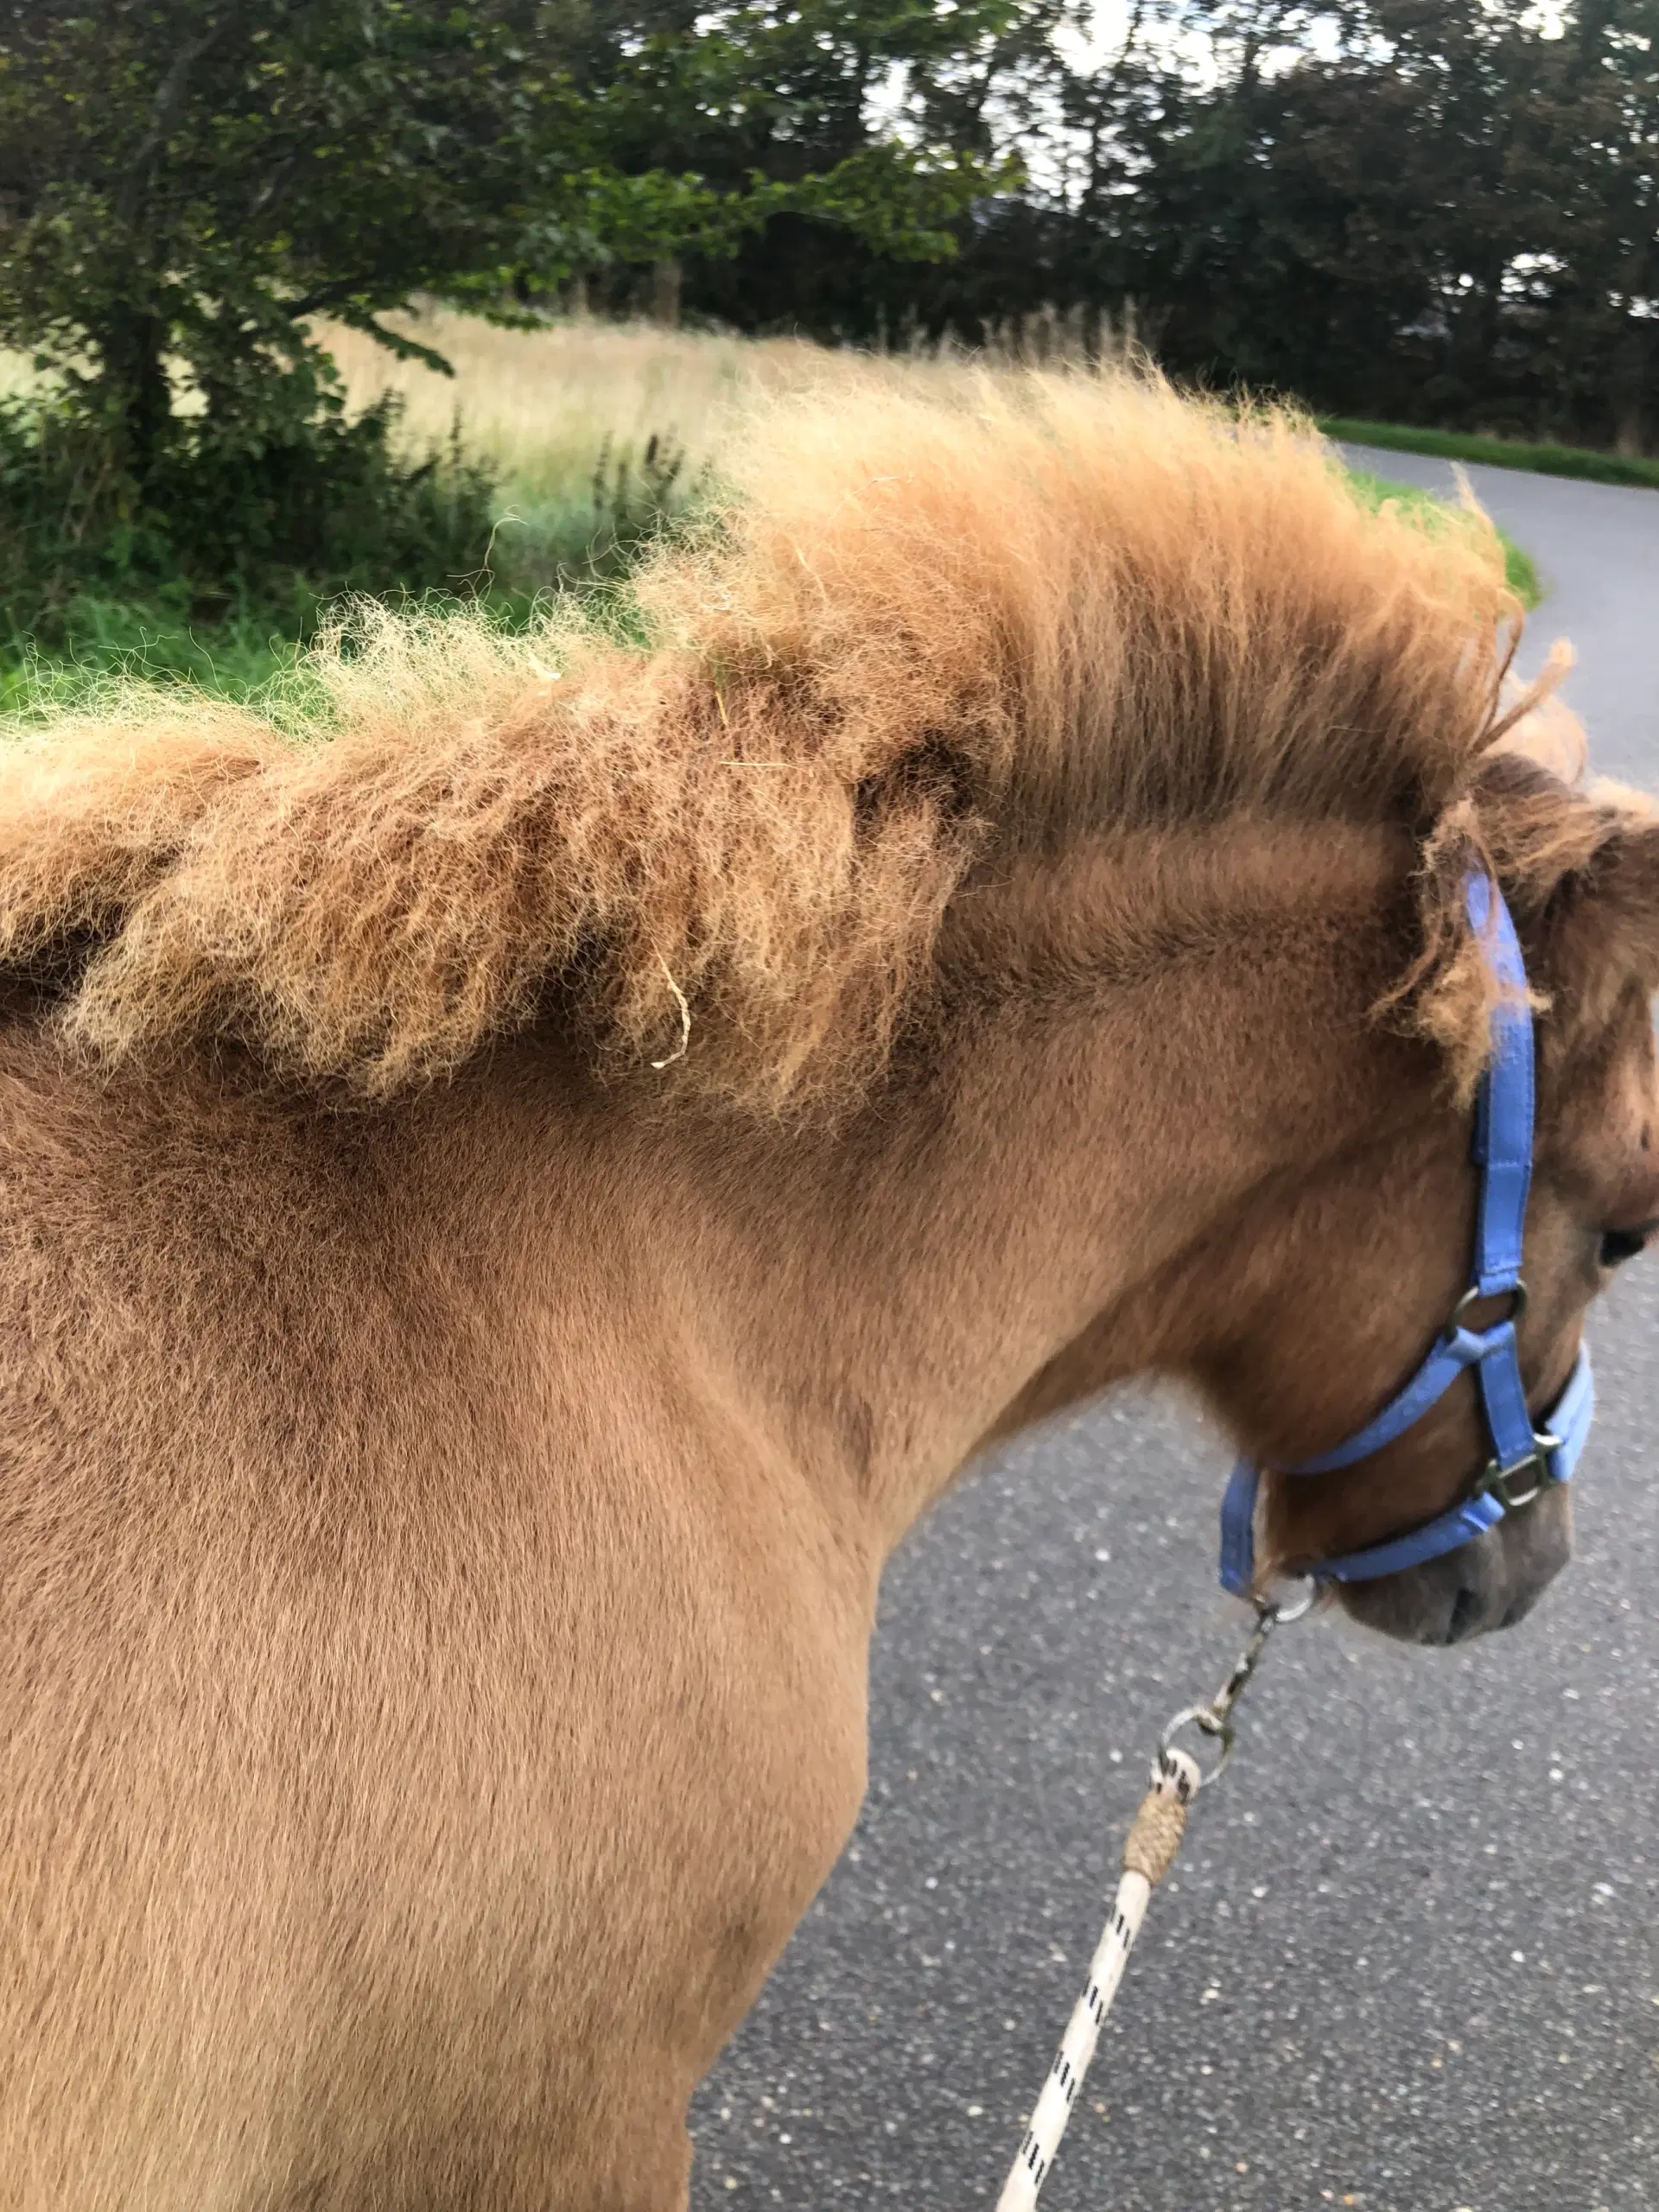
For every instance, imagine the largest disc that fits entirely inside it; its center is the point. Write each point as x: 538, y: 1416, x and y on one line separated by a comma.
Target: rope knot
x: 1155, y: 1838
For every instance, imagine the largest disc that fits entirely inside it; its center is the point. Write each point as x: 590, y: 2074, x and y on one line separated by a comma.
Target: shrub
x: 227, y: 529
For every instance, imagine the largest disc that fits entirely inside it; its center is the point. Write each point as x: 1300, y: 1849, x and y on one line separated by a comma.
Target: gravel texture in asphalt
x: 1408, y: 1961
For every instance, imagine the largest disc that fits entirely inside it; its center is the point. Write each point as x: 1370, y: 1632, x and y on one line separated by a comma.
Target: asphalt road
x: 1409, y: 1961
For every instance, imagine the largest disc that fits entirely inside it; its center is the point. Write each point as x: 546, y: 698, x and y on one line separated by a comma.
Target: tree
x: 186, y: 183
x: 1588, y: 293
x: 1342, y: 224
x: 844, y: 88
x: 1433, y: 210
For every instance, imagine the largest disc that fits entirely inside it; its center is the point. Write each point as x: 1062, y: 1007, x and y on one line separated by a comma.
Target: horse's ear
x: 1601, y: 926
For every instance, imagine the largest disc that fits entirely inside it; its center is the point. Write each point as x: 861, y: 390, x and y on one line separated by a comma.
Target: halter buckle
x: 1499, y: 1479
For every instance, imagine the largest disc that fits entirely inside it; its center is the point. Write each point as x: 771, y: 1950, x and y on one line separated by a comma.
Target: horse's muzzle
x: 1491, y: 1583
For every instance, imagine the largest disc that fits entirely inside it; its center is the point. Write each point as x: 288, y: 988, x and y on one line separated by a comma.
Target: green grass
x: 1518, y: 566
x: 109, y: 637
x: 582, y: 528
x: 1544, y: 458
x: 110, y: 643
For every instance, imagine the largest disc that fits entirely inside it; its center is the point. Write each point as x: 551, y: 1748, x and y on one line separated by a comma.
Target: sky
x: 1108, y: 20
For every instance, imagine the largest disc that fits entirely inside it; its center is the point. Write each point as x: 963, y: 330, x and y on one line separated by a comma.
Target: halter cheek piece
x: 1523, y: 1462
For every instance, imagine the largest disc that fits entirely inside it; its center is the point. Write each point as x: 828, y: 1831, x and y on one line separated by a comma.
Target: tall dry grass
x: 539, y: 405
x: 595, y: 431
x: 581, y: 417
x: 567, y: 415
x: 559, y: 413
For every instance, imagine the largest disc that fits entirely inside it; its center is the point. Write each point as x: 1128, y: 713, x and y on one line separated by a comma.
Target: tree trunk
x: 1628, y: 394
x: 139, y: 396
x: 666, y: 277
x: 1630, y: 382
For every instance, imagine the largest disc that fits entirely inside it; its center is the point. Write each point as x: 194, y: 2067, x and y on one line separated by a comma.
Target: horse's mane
x: 920, y: 634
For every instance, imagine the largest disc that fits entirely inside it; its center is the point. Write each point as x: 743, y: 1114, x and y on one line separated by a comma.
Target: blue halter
x: 1522, y: 1462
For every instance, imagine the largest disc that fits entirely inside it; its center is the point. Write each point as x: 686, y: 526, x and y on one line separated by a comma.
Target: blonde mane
x: 922, y: 633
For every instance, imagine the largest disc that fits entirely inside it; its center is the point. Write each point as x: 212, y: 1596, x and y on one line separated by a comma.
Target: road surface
x: 1408, y: 1960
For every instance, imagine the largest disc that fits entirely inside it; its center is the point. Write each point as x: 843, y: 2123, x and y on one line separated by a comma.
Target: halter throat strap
x: 1522, y: 1461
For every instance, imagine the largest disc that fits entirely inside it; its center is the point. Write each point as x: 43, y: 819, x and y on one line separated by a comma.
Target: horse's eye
x: 1618, y: 1244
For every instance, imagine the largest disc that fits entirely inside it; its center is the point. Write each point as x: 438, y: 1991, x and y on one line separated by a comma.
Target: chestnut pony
x: 512, y: 1205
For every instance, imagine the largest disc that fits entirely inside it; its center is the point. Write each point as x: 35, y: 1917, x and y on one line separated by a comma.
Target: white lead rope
x: 1149, y: 1852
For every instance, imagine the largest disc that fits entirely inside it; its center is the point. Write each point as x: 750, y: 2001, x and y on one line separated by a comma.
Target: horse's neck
x: 1001, y: 1240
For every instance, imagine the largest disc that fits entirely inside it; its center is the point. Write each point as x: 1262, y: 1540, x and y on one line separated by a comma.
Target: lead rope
x: 1149, y: 1852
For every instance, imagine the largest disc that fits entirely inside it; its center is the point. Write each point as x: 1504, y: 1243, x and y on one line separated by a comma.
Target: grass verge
x: 1519, y: 567
x: 108, y: 637
x: 1544, y: 460
x: 244, y: 657
x: 112, y: 642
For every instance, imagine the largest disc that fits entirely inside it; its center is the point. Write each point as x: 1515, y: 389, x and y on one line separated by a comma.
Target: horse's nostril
x: 1465, y: 1615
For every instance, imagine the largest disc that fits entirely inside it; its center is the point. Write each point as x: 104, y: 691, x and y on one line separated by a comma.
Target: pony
x: 525, y: 1168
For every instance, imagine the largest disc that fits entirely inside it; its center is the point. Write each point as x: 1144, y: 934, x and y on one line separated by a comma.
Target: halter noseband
x: 1523, y: 1462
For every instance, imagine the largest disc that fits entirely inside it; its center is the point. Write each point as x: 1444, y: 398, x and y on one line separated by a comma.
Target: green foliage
x: 188, y: 181
x: 595, y: 529
x: 821, y: 82
x: 1498, y: 453
x: 233, y: 527
x: 1450, y: 218
x: 428, y: 524
x: 1442, y: 212
x: 184, y: 183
